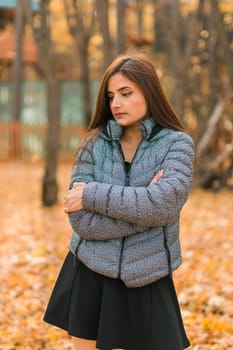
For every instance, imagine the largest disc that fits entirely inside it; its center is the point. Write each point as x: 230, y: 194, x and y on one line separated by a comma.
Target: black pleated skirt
x: 91, y: 306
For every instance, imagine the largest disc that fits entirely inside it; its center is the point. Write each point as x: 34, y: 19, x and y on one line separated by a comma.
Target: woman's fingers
x: 157, y: 176
x: 73, y: 198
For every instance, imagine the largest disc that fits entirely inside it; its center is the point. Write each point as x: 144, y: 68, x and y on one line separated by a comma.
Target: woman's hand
x: 73, y: 198
x: 157, y: 176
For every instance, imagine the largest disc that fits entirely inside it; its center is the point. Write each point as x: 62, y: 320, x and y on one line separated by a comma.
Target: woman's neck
x: 130, y: 139
x: 131, y: 134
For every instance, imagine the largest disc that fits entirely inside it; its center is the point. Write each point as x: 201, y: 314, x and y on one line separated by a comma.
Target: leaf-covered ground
x: 33, y: 243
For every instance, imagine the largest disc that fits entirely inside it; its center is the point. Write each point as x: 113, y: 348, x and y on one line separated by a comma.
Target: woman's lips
x: 119, y: 115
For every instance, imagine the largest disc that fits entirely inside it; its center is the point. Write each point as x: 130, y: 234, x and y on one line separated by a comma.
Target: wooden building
x: 9, y: 37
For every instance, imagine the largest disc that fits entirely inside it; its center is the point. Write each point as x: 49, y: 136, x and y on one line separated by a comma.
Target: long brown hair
x: 139, y: 69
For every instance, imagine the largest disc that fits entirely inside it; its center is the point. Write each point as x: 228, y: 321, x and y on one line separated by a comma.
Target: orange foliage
x: 34, y: 240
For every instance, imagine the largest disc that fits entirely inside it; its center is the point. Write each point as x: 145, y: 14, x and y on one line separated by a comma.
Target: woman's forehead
x: 119, y: 81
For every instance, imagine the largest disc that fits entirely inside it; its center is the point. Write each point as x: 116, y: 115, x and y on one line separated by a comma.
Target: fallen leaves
x: 205, y: 279
x: 34, y: 241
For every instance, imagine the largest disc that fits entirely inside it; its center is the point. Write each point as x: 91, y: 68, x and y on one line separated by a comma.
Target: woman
x: 130, y: 180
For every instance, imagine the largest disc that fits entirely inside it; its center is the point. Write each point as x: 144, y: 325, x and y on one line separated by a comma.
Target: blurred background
x: 53, y: 53
x: 52, y: 56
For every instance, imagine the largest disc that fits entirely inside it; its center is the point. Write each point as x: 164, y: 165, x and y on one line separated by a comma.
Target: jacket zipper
x: 121, y: 255
x: 167, y: 251
x: 123, y: 239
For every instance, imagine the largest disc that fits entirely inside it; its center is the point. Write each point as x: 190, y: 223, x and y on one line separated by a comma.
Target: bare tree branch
x: 213, y: 121
x: 212, y: 169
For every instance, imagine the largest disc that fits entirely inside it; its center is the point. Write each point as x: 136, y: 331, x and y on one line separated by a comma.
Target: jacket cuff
x: 88, y: 198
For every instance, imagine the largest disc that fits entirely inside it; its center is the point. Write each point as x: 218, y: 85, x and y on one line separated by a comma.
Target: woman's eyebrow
x: 120, y: 89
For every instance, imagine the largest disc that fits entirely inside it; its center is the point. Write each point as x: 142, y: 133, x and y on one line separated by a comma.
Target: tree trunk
x: 85, y: 80
x: 17, y: 78
x: 42, y: 37
x: 120, y: 32
x: 49, y: 184
x: 102, y: 7
x: 81, y: 25
x: 180, y: 38
x: 139, y: 10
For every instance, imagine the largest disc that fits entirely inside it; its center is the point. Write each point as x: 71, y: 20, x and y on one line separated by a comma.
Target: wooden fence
x: 20, y: 141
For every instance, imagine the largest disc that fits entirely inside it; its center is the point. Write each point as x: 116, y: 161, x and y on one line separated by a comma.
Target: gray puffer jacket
x: 129, y: 229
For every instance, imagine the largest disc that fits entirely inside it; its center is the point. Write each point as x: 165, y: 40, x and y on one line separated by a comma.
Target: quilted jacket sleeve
x: 94, y: 226
x: 91, y: 225
x: 154, y: 205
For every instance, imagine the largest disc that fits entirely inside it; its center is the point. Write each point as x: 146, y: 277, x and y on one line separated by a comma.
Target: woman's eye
x: 126, y: 94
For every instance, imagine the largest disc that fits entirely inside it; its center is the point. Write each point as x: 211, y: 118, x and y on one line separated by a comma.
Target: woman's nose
x: 116, y: 102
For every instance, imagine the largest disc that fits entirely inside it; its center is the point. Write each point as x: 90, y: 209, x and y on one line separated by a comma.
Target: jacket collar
x: 113, y: 131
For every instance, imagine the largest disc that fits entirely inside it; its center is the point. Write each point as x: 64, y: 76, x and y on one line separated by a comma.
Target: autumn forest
x: 64, y: 46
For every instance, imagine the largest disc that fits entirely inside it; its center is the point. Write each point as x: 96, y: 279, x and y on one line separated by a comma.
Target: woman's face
x: 127, y: 102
